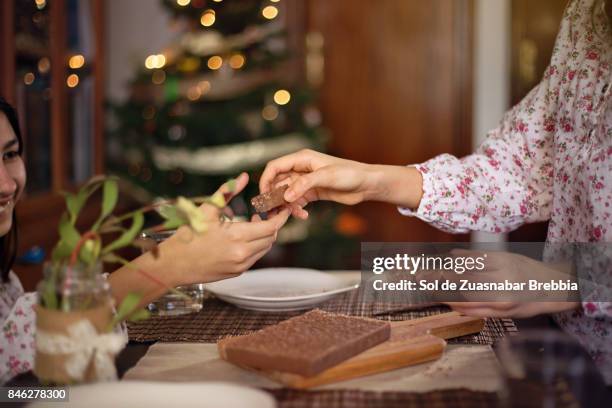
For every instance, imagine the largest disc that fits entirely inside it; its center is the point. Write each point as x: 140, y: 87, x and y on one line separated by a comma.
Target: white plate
x: 130, y: 394
x: 280, y: 289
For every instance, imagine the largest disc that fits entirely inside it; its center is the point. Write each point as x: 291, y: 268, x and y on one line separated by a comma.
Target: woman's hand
x: 313, y: 176
x: 226, y: 249
x: 500, y: 266
x: 517, y: 310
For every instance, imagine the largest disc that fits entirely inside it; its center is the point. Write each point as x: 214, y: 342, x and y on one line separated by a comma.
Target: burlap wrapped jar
x: 74, y: 340
x: 51, y: 368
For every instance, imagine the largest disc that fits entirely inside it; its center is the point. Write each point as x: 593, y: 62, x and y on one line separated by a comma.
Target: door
x: 396, y: 89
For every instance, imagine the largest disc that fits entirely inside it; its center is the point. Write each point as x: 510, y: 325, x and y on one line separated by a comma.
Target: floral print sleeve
x: 550, y: 158
x: 504, y: 184
x: 508, y: 180
x: 18, y: 325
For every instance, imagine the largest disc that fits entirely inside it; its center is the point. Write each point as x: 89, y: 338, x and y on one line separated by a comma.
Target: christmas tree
x: 220, y: 100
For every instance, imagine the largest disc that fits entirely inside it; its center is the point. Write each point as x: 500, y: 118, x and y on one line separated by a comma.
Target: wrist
x: 373, y: 189
x: 398, y: 185
x: 183, y: 265
x: 169, y: 267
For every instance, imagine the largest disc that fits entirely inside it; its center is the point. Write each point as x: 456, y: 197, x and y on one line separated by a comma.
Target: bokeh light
x: 29, y: 78
x: 282, y: 97
x: 155, y: 61
x: 208, y: 18
x: 270, y: 12
x: 237, y: 61
x: 76, y: 61
x: 215, y: 62
x: 269, y: 112
x: 72, y: 80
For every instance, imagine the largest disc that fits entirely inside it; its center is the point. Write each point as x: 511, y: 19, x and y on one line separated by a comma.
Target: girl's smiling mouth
x: 5, y: 205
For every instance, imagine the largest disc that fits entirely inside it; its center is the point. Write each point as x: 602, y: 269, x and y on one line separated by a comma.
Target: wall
x: 134, y: 29
x: 491, y: 75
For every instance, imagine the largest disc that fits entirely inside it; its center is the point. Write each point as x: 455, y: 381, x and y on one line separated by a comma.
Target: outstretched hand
x: 226, y: 249
x: 314, y: 176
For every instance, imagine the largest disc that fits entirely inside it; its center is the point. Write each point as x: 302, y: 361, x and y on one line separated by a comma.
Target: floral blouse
x: 550, y: 158
x: 18, y: 326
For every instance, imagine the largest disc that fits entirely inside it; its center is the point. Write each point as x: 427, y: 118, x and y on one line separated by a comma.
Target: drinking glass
x: 548, y: 368
x: 173, y: 304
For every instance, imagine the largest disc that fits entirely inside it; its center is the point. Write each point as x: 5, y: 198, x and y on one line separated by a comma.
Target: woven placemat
x: 287, y: 398
x: 218, y: 319
x: 532, y: 395
x: 456, y: 398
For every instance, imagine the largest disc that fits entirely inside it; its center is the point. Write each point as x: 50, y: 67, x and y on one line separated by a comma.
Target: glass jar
x: 70, y: 288
x: 189, y: 300
x: 74, y: 335
x: 547, y: 368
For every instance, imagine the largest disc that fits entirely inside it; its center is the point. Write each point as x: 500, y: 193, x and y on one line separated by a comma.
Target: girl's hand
x: 226, y: 249
x: 313, y: 176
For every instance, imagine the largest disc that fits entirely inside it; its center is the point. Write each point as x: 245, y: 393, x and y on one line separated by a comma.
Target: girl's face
x: 12, y: 174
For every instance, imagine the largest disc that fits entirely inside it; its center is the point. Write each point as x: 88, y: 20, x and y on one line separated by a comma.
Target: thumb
x: 239, y: 182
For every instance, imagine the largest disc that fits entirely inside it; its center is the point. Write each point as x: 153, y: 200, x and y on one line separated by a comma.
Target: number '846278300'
x: 33, y: 394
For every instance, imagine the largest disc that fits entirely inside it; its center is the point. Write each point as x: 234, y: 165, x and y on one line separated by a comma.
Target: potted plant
x: 77, y: 337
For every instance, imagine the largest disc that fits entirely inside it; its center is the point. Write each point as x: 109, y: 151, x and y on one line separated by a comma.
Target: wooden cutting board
x: 411, y: 342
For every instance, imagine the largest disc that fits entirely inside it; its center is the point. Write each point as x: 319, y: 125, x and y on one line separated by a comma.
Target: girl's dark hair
x: 8, y: 242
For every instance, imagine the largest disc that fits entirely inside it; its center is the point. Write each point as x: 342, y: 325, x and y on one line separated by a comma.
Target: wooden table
x: 135, y: 351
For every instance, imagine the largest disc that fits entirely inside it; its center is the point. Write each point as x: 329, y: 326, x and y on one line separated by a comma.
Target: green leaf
x: 110, y: 195
x: 73, y: 205
x: 90, y: 251
x: 76, y: 202
x: 126, y: 309
x: 167, y: 212
x: 217, y: 199
x: 49, y: 295
x: 127, y: 306
x: 140, y: 314
x: 174, y: 224
x: 112, y: 258
x: 69, y: 238
x: 189, y: 211
x: 128, y: 236
x: 68, y: 232
x: 173, y: 217
x: 61, y: 251
x: 231, y: 185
